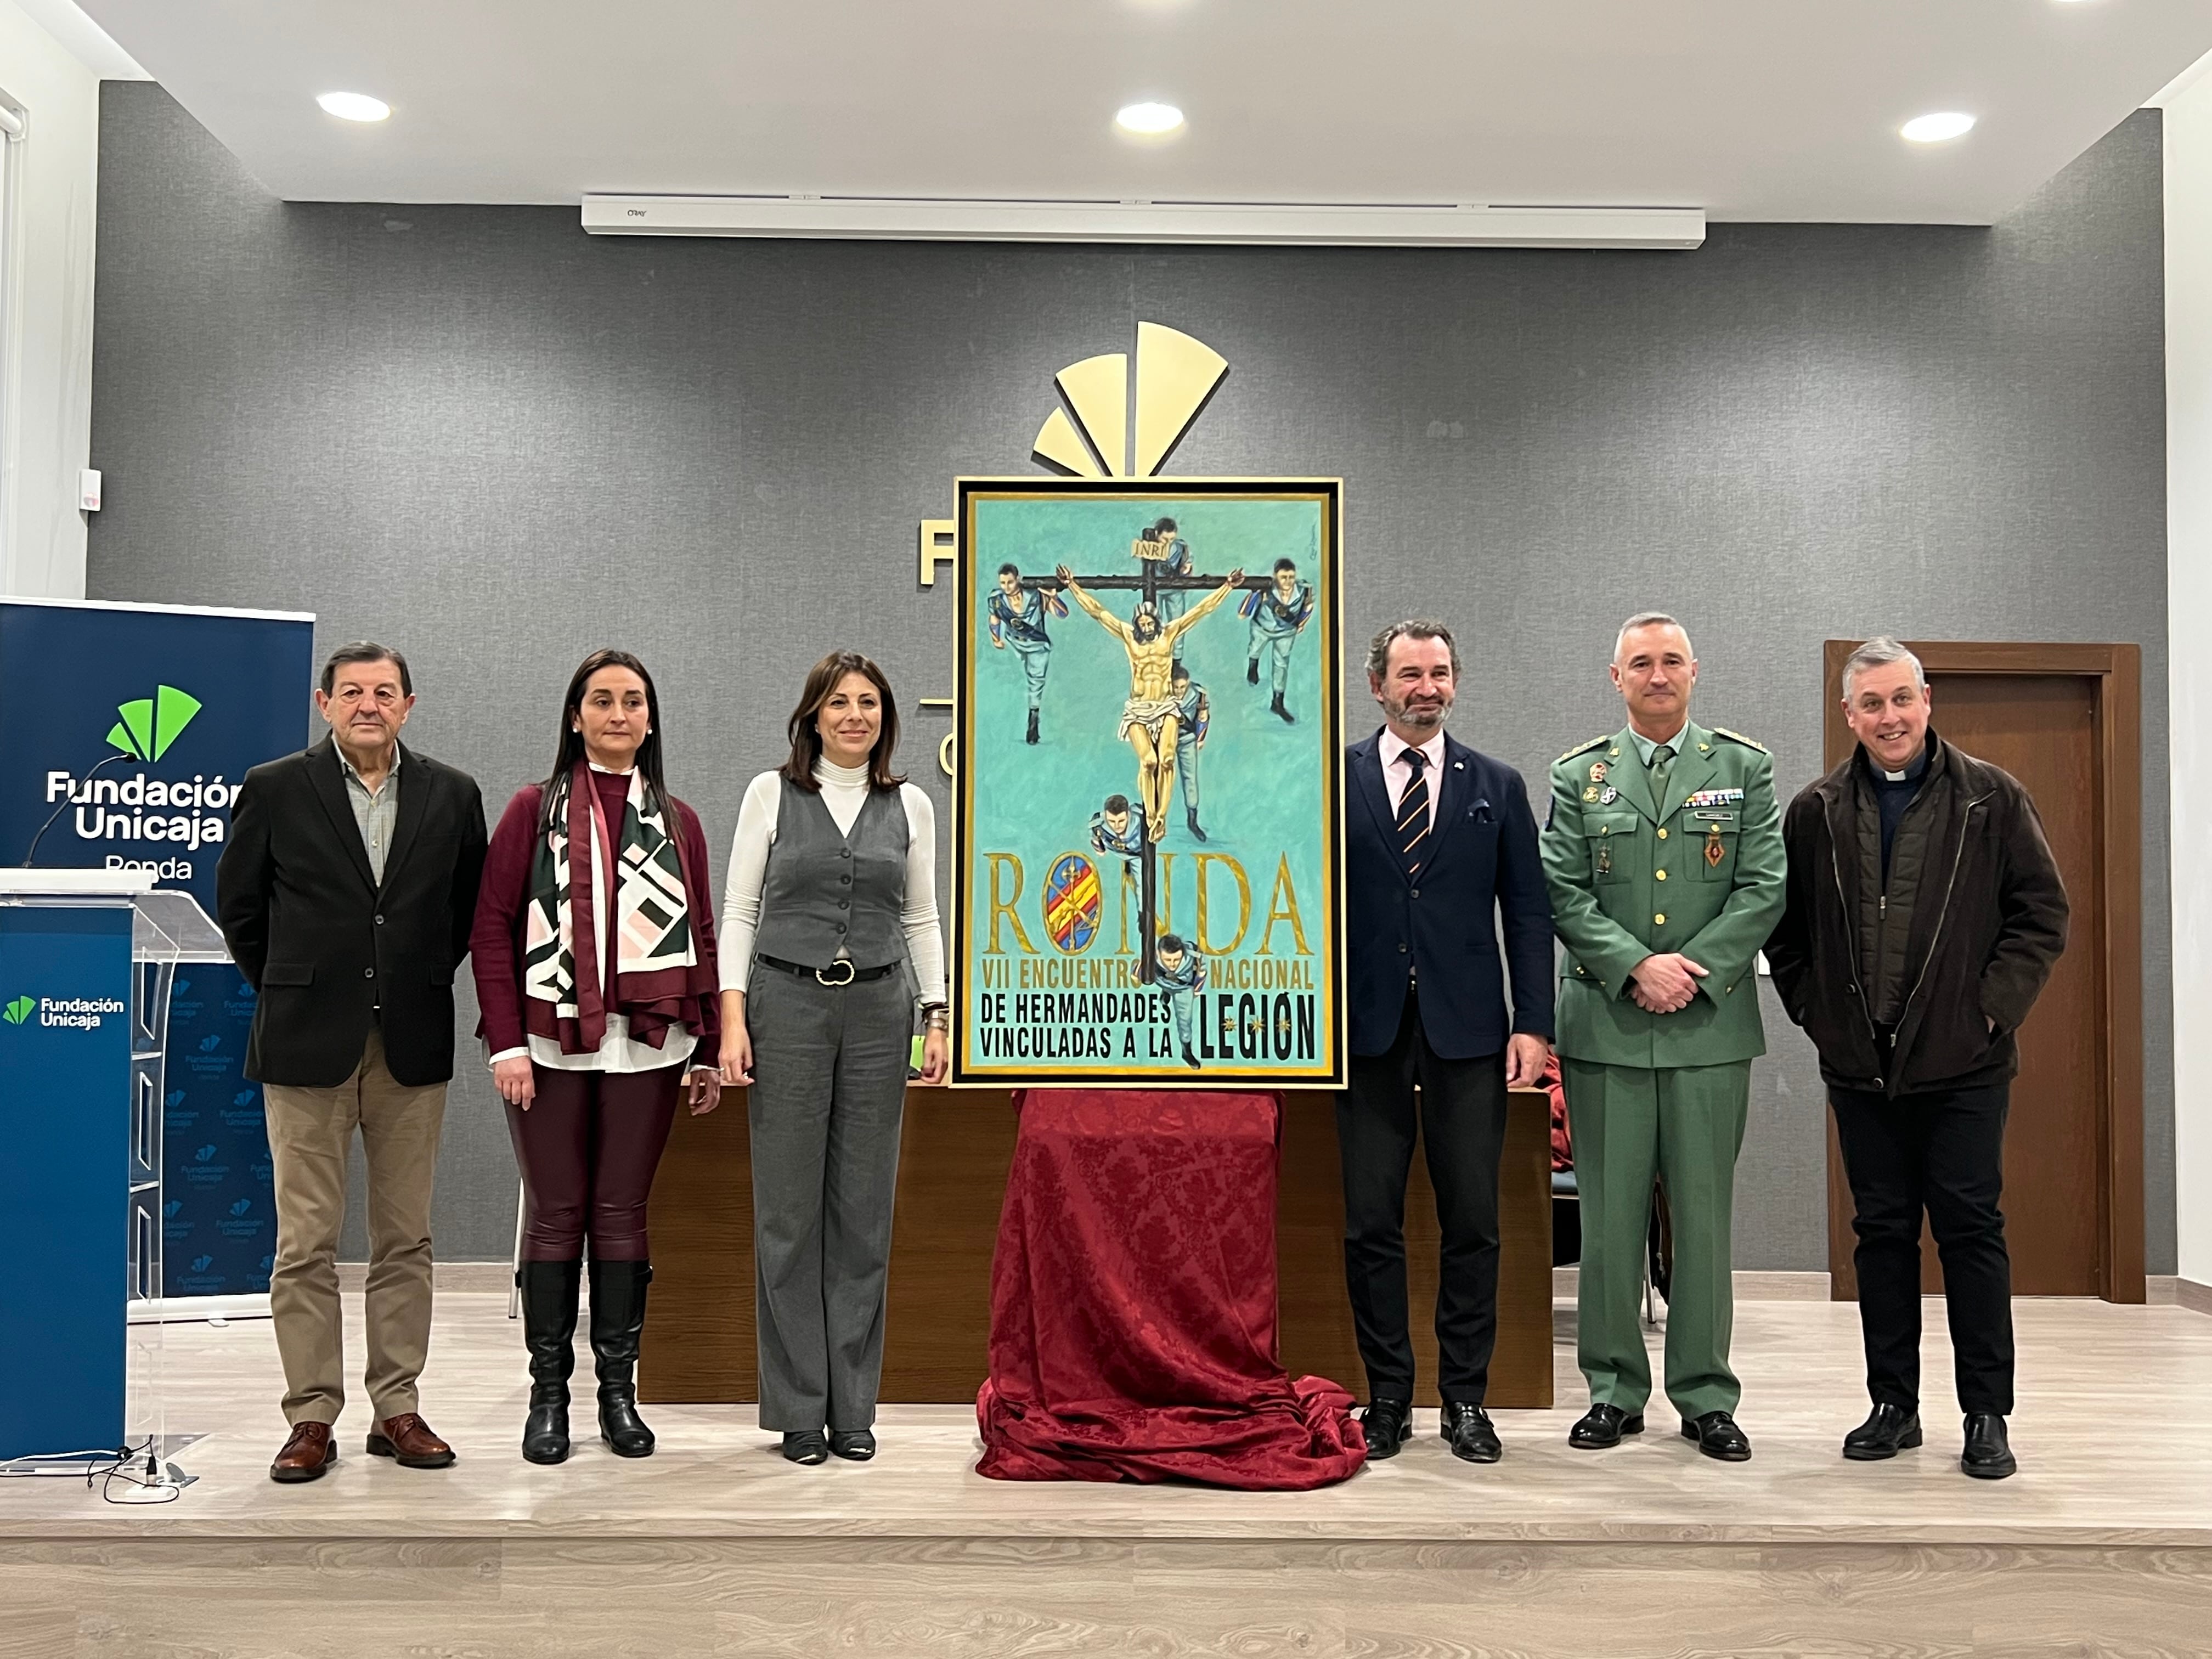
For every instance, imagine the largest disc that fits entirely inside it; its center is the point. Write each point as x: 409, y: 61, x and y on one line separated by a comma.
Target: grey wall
x: 475, y: 434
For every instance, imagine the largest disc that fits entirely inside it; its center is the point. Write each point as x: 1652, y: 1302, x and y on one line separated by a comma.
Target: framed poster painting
x: 1147, y: 783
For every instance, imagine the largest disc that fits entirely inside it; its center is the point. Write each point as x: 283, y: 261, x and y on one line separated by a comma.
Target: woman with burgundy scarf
x: 594, y: 959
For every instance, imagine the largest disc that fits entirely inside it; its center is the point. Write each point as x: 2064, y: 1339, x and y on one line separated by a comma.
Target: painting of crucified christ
x: 1151, y: 717
x: 1105, y: 933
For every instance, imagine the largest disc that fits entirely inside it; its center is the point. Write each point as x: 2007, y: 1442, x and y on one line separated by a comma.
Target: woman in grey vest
x: 832, y: 897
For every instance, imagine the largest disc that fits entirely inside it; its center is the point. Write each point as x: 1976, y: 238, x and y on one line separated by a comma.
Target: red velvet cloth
x: 1562, y: 1140
x: 1132, y: 1302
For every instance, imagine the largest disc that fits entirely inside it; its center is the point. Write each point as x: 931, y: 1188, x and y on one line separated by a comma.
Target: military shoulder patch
x: 1738, y: 737
x: 1583, y: 748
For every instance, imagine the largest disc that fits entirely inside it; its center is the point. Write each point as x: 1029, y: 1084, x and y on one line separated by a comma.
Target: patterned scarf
x: 655, y: 959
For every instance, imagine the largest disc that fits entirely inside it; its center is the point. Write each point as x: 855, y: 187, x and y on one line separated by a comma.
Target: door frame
x: 2117, y: 671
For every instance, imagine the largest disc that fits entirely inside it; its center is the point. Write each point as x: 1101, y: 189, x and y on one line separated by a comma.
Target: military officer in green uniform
x: 1663, y: 854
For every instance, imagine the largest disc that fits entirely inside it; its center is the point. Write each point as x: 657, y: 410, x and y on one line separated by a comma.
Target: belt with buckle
x: 852, y: 976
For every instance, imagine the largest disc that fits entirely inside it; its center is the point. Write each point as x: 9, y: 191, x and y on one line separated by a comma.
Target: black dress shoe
x: 1468, y: 1432
x: 807, y: 1446
x: 1388, y: 1424
x: 1988, y: 1453
x: 858, y: 1445
x: 1602, y: 1426
x: 1718, y: 1436
x: 1887, y: 1431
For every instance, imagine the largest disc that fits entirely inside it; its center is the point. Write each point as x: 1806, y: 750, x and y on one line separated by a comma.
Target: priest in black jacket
x: 1440, y: 857
x: 346, y: 893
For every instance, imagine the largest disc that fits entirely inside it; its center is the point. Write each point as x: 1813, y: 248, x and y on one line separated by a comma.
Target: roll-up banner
x: 131, y: 727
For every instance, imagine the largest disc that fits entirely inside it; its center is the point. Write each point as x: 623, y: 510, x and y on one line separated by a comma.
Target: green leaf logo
x: 150, y: 725
x: 19, y: 1011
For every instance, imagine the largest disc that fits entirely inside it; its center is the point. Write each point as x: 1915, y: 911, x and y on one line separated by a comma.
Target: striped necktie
x: 1413, y: 814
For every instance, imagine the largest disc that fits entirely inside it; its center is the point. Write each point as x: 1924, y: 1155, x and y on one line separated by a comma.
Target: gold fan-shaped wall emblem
x: 1094, y: 435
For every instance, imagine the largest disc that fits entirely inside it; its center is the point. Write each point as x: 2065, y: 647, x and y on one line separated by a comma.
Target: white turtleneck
x: 844, y: 792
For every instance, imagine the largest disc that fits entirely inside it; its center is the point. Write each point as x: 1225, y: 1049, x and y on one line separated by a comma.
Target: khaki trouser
x: 310, y: 1138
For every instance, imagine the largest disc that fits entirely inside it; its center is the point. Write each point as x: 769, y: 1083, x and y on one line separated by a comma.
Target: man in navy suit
x: 1440, y: 859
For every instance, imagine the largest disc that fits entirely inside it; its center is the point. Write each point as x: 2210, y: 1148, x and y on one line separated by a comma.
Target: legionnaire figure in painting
x: 1018, y: 617
x: 1192, y: 715
x: 1663, y: 852
x: 1159, y: 541
x: 1279, y: 616
x: 1182, y: 975
x: 1118, y: 830
x: 1149, y: 721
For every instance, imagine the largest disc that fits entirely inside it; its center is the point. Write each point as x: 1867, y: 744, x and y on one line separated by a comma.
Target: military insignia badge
x: 1597, y: 771
x: 1715, y: 849
x: 1072, y: 903
x: 1591, y: 793
x: 1607, y: 796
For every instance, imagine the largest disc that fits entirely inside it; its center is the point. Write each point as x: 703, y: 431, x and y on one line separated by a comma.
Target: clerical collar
x: 1911, y: 775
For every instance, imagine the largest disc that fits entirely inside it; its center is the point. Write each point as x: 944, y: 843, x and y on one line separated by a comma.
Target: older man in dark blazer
x: 1440, y: 857
x: 346, y: 895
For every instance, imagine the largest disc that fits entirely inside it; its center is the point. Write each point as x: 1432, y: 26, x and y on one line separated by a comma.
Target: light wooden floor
x: 2102, y: 1545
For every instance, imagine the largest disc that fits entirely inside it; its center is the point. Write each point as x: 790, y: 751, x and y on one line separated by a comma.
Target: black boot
x: 1191, y: 818
x: 549, y: 1331
x: 1033, y: 725
x: 1275, y: 707
x: 1252, y: 670
x: 617, y: 1321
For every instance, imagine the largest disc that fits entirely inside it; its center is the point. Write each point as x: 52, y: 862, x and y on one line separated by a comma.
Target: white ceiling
x: 83, y: 38
x: 1751, y: 109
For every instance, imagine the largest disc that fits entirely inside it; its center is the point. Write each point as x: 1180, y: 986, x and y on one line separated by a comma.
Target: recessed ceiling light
x: 354, y: 105
x: 1934, y: 128
x: 1148, y: 120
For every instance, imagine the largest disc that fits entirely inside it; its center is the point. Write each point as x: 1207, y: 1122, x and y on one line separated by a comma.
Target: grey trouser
x: 829, y: 1093
x: 1276, y: 648
x: 1036, y: 663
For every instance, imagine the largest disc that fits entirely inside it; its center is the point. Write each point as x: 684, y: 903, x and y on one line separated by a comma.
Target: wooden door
x: 2062, y: 720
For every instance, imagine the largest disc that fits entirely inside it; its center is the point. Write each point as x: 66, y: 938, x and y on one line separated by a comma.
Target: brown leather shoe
x: 308, y: 1452
x: 407, y: 1441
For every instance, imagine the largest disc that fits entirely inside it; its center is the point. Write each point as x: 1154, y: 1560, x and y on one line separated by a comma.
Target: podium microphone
x: 120, y: 755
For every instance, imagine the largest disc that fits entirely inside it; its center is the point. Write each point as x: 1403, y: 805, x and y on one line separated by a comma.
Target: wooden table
x: 952, y: 1174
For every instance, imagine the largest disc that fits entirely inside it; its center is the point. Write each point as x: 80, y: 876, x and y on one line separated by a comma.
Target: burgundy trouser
x: 588, y: 1147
